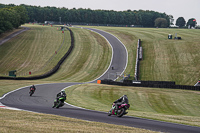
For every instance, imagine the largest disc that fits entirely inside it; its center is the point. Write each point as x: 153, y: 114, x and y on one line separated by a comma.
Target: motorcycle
x: 121, y: 110
x: 32, y: 90
x: 59, y: 102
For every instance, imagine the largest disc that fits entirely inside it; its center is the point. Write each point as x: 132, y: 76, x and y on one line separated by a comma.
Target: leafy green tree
x: 180, y: 22
x: 12, y: 17
x: 161, y: 22
x: 2, y: 5
x: 147, y: 19
x: 130, y: 18
x: 191, y: 22
x: 22, y: 12
x: 6, y: 20
x: 2, y: 21
x: 171, y: 18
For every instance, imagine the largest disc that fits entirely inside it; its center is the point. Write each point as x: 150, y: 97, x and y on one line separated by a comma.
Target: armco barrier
x: 53, y: 70
x: 137, y: 60
x: 153, y: 84
x: 140, y: 53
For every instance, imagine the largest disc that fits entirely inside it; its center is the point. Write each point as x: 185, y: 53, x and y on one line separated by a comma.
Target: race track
x: 44, y: 96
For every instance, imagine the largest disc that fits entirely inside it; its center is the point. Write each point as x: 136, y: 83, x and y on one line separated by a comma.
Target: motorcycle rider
x: 58, y: 96
x: 32, y: 87
x: 120, y: 101
x: 61, y: 94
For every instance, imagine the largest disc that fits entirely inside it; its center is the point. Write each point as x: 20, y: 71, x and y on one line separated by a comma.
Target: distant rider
x: 120, y: 101
x: 33, y: 87
x: 61, y: 94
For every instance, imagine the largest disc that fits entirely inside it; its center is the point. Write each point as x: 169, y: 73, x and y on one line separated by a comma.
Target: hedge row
x: 152, y: 84
x: 53, y: 70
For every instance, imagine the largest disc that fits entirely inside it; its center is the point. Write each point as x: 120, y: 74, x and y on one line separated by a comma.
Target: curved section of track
x: 44, y: 96
x: 119, y: 58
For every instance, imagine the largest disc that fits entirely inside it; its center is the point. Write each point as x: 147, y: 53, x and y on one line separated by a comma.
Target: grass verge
x: 23, y: 122
x: 178, y: 106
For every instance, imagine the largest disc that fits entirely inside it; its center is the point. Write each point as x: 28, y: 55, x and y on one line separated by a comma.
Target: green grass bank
x: 168, y: 60
x: 178, y: 106
x: 163, y: 59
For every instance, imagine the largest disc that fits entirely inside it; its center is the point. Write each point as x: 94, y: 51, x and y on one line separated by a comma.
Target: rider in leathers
x: 61, y: 94
x: 32, y: 87
x: 121, y: 100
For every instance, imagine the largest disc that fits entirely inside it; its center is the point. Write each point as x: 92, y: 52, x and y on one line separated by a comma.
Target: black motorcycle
x: 32, y: 90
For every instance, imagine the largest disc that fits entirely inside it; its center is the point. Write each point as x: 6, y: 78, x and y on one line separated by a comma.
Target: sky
x: 176, y: 8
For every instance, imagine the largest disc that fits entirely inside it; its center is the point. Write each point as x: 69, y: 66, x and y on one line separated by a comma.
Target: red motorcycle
x: 121, y: 110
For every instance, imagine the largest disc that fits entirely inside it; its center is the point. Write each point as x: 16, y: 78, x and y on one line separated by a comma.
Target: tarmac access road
x: 42, y: 99
x: 13, y: 35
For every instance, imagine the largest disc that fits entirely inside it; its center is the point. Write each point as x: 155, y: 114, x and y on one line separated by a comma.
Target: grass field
x: 23, y: 122
x: 163, y: 59
x: 178, y: 106
x: 33, y: 51
x: 89, y: 59
x: 168, y: 60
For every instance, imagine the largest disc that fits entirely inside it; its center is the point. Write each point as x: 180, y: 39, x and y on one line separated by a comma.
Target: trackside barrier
x: 152, y: 84
x: 53, y: 70
x: 140, y: 54
x: 137, y: 60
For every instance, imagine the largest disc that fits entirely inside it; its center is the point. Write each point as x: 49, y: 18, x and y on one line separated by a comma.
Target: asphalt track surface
x: 42, y: 99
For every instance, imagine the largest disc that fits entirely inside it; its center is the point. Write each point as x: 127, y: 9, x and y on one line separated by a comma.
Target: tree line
x: 144, y: 18
x: 141, y: 17
x: 12, y: 16
x: 180, y: 22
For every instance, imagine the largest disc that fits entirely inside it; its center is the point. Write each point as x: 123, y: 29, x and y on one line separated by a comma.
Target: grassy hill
x: 163, y: 59
x: 89, y: 59
x: 33, y: 51
x: 38, y: 50
x: 168, y: 60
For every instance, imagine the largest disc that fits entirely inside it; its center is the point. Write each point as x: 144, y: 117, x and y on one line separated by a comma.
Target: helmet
x: 125, y: 95
x: 63, y: 92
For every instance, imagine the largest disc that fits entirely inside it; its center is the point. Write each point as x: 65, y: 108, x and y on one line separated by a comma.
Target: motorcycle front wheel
x: 31, y: 93
x: 110, y: 112
x: 54, y: 104
x: 120, y: 112
x: 59, y: 104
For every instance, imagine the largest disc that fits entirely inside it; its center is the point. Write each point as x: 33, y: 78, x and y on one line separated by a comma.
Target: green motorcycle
x: 59, y: 102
